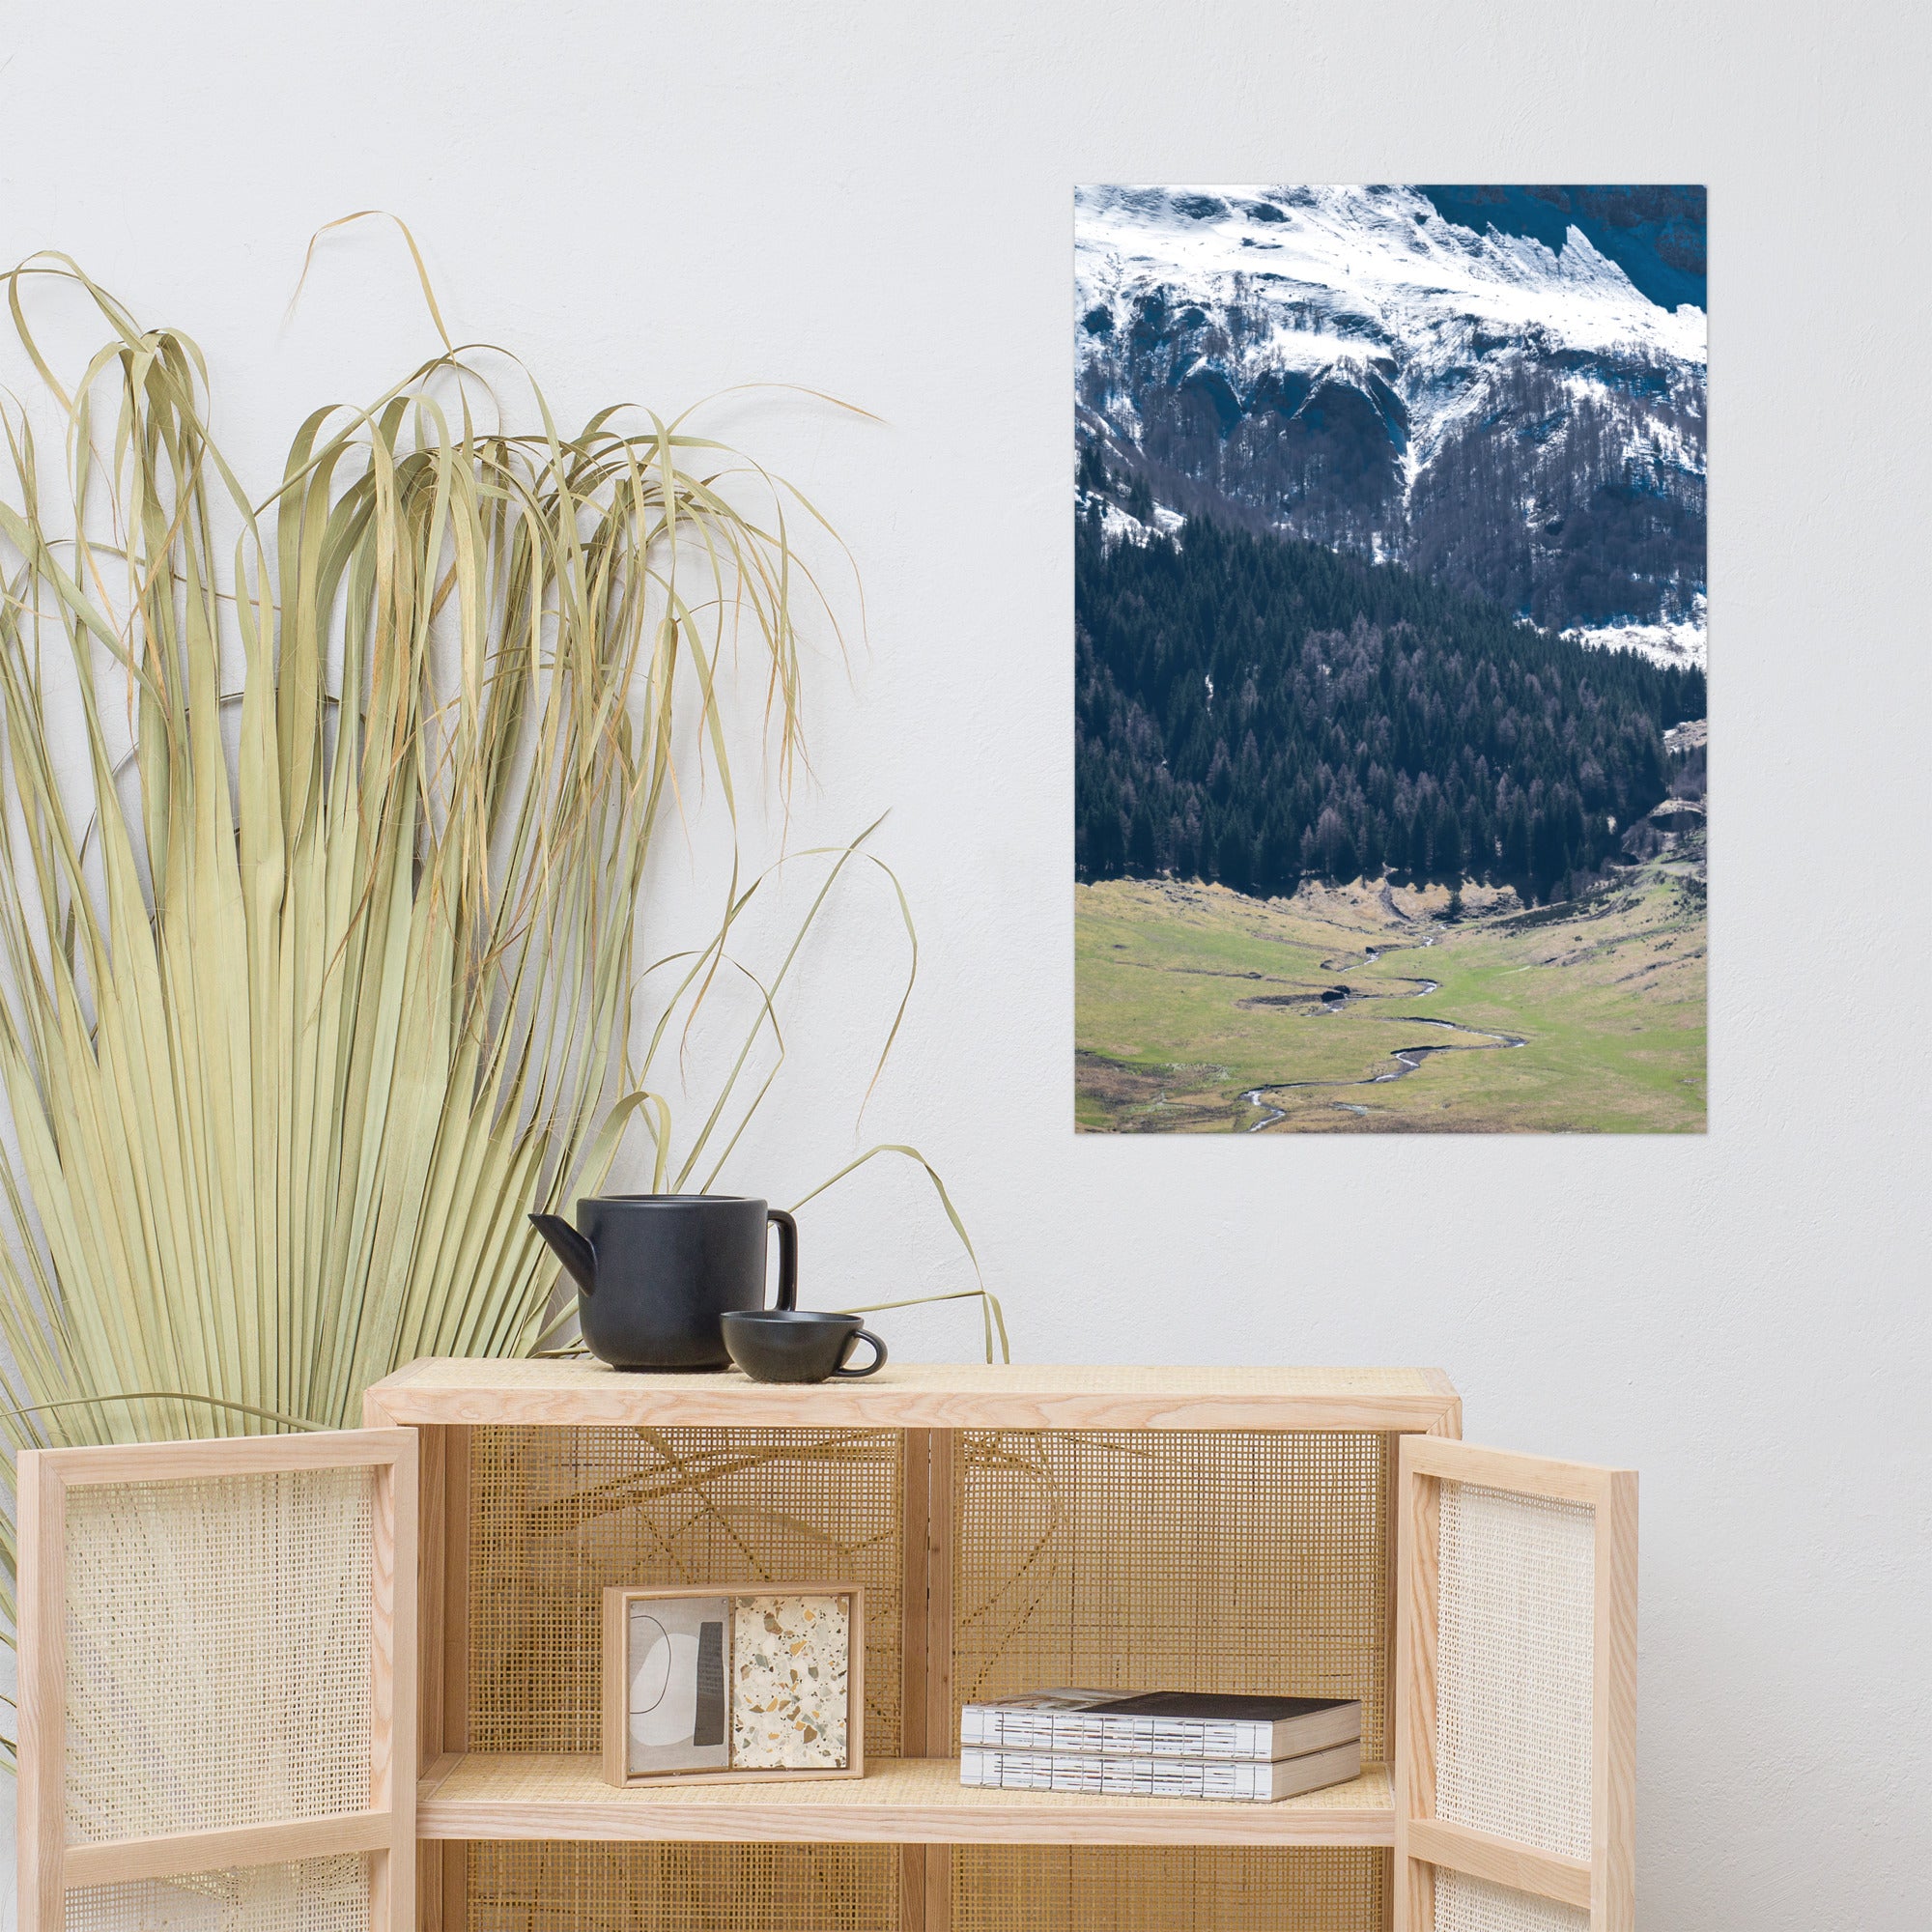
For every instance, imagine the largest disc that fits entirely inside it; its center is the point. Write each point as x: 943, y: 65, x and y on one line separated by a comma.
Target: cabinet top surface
x: 922, y: 1396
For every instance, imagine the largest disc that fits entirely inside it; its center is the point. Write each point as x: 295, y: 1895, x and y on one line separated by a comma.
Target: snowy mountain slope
x: 1347, y: 365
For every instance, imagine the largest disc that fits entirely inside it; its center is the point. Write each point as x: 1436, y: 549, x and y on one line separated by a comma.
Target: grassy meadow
x: 1200, y: 1011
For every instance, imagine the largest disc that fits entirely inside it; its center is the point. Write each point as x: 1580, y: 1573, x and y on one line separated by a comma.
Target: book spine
x: 1115, y: 1777
x: 1015, y: 1729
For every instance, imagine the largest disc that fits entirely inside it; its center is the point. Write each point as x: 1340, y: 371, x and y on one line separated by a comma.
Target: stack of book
x: 1164, y: 1744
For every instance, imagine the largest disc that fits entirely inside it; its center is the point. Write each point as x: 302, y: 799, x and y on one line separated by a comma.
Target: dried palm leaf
x: 320, y: 974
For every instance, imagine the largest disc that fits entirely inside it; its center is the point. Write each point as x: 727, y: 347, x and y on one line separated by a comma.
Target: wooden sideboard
x: 1318, y: 1530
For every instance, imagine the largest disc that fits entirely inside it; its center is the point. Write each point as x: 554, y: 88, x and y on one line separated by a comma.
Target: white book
x: 1231, y: 1781
x: 1162, y: 1723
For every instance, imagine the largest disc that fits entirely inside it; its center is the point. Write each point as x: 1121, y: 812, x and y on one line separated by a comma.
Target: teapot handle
x: 787, y: 1257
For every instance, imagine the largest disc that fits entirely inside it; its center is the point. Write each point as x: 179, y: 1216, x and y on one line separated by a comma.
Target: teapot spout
x: 570, y: 1248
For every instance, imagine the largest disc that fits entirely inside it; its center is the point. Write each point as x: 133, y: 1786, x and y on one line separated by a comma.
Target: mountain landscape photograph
x: 1390, y: 611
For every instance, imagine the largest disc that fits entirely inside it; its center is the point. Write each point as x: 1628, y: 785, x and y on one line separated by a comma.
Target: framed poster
x: 1391, y: 736
x: 728, y: 1682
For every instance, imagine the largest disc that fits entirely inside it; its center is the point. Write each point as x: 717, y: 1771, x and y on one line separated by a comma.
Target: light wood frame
x: 614, y: 1725
x: 385, y: 1829
x: 1603, y: 1886
x: 926, y: 1675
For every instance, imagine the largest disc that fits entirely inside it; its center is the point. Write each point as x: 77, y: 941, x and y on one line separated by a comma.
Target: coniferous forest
x: 1256, y: 710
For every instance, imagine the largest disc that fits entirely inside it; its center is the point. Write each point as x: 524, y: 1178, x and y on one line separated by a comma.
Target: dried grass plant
x: 321, y: 972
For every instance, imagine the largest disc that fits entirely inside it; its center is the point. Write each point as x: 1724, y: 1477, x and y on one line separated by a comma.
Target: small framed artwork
x: 745, y: 1683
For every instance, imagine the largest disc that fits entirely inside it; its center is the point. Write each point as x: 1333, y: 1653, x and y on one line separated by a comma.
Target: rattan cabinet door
x: 217, y: 1684
x: 1516, y: 1693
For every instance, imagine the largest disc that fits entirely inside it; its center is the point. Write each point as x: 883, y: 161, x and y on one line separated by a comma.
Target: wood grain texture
x: 941, y: 1516
x: 919, y: 1395
x: 232, y: 1455
x: 1412, y: 1905
x: 442, y: 1873
x: 915, y: 1467
x: 912, y: 1888
x: 1392, y: 1581
x: 442, y: 1633
x: 431, y: 1583
x: 393, y: 1710
x: 1500, y: 1860
x: 456, y: 1514
x: 41, y: 1642
x: 1613, y: 1764
x: 855, y: 1681
x: 1417, y: 1513
x: 179, y: 1852
x: 1505, y: 1469
x: 614, y: 1715
x: 442, y: 1627
x: 938, y: 1889
x: 899, y: 1802
x: 925, y: 1720
x: 453, y: 1876
x: 442, y: 1867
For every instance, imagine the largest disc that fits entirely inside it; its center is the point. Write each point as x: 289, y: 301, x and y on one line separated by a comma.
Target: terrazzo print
x: 790, y: 1686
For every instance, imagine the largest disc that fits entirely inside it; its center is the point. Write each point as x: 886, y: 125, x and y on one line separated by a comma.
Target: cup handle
x: 787, y: 1257
x: 872, y: 1367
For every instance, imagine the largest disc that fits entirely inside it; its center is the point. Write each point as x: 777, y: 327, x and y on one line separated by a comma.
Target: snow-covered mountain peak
x: 1492, y: 399
x: 1379, y: 261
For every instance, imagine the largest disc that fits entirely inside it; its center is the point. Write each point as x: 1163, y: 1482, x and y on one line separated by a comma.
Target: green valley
x: 1369, y: 1008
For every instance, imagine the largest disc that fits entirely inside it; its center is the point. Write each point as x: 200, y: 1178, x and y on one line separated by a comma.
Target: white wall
x: 873, y: 199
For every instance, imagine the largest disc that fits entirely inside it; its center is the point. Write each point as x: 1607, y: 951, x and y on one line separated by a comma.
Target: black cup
x: 789, y: 1344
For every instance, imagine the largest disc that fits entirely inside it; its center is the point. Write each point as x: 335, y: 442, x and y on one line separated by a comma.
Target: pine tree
x: 1258, y: 710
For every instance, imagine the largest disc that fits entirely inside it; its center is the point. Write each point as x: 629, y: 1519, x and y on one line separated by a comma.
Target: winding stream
x: 1408, y: 1059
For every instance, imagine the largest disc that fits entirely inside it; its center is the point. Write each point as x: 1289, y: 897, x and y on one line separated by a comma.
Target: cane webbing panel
x: 1116, y: 1888
x: 1240, y: 1561
x: 1513, y: 1666
x: 558, y: 1514
x: 313, y: 1896
x: 1465, y: 1904
x: 218, y: 1652
x: 538, y: 1886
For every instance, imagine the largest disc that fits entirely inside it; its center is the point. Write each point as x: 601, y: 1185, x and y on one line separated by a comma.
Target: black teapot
x: 656, y: 1272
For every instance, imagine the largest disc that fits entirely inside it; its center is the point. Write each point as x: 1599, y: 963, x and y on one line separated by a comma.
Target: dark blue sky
x: 1656, y: 235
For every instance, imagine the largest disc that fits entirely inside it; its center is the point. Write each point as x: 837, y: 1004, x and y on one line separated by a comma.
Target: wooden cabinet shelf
x: 1207, y: 1528
x: 440, y: 1576
x: 899, y: 1802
